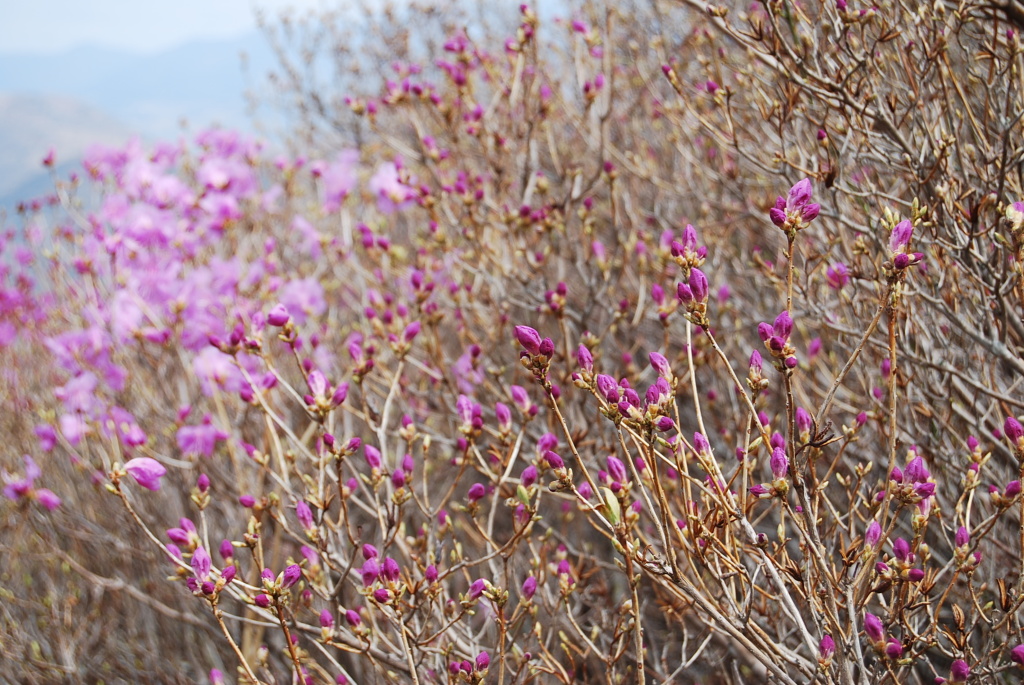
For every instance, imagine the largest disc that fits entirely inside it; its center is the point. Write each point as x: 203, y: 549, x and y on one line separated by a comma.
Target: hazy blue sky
x: 48, y: 26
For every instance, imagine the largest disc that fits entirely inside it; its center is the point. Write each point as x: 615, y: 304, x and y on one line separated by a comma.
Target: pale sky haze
x: 53, y: 26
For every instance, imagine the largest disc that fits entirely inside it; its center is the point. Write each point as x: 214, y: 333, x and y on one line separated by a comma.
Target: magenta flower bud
x: 872, y: 534
x: 372, y: 455
x: 430, y: 574
x: 503, y: 415
x: 147, y: 472
x: 756, y: 363
x: 584, y: 358
x: 326, y: 619
x: 216, y: 677
x: 765, y: 332
x: 476, y: 589
x: 685, y: 294
x: 262, y: 601
x: 353, y: 618
x: 896, y: 475
x: 608, y: 388
x: 547, y: 347
x: 370, y: 572
x: 701, y: 444
x: 1013, y: 430
x: 799, y: 194
x: 278, y: 316
x: 617, y: 470
x: 528, y: 476
x: 382, y: 595
x: 411, y: 331
x: 352, y: 445
x: 247, y: 501
x: 208, y: 587
x: 390, y: 571
x: 777, y: 216
x: 901, y: 549
x: 873, y: 628
x: 899, y: 239
x: 699, y: 285
x: 783, y: 325
x: 483, y: 660
x: 1012, y: 489
x: 340, y: 394
x: 660, y: 364
x: 759, y: 491
x: 779, y: 463
x: 916, y: 471
x: 178, y: 536
x: 529, y: 338
x: 304, y: 514
x: 201, y: 563
x: 915, y: 575
x: 827, y: 647
x: 963, y: 537
x: 664, y: 424
x: 586, y: 492
x: 959, y: 672
x: 227, y: 550
x: 893, y: 648
x: 476, y: 492
x: 881, y: 568
x: 228, y: 574
x: 530, y: 588
x: 1017, y: 655
x: 810, y: 212
x: 291, y: 575
x: 554, y: 461
x: 203, y: 483
x: 398, y: 479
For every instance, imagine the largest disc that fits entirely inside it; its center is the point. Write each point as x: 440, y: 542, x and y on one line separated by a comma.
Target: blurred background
x: 76, y: 73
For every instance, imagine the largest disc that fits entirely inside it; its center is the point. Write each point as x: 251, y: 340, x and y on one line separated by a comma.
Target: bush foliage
x: 663, y: 342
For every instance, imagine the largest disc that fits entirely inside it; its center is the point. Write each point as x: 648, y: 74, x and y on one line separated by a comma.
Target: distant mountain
x: 201, y: 82
x: 30, y: 125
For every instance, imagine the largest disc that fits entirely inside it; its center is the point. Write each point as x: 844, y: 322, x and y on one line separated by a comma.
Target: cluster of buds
x: 795, y: 211
x: 899, y: 245
x: 277, y: 585
x: 875, y: 632
x: 522, y: 400
x: 537, y: 353
x: 687, y: 253
x: 775, y: 337
x: 755, y: 374
x: 470, y: 415
x: 694, y: 297
x: 322, y: 398
x: 1007, y: 497
x: 902, y: 568
x: 585, y: 376
x: 965, y: 559
x: 467, y: 671
x: 381, y: 579
x: 826, y: 650
x: 912, y: 485
x: 555, y: 299
x: 24, y: 489
x: 203, y: 582
x: 779, y: 485
x: 401, y: 344
x: 666, y: 306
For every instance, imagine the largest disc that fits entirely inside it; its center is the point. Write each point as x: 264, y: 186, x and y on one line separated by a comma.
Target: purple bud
x: 916, y: 471
x: 664, y: 424
x: 530, y: 588
x: 1012, y: 489
x: 228, y: 574
x: 278, y: 316
x: 528, y: 476
x: 262, y: 601
x: 803, y: 421
x: 1017, y: 655
x: 617, y: 470
x: 893, y: 648
x: 915, y: 575
x: 899, y: 239
x: 963, y: 537
x: 765, y: 332
x: 370, y: 572
x: 483, y: 660
x: 476, y: 589
x: 382, y: 595
x: 201, y: 563
x: 304, y: 514
x: 699, y: 285
x: 959, y: 672
x: 353, y: 618
x: 547, y: 347
x: 1013, y: 430
x: 369, y: 551
x: 227, y: 550
x: 203, y: 483
x: 476, y: 492
x: 584, y: 358
x: 608, y: 388
x: 660, y: 364
x: 701, y: 444
x: 554, y: 461
x: 901, y: 549
x: 779, y: 463
x: 827, y: 647
x: 783, y: 325
x: 777, y: 216
x: 872, y: 534
x: 756, y: 364
x: 372, y: 455
x: 147, y: 472
x: 291, y: 575
x: 529, y: 338
x: 411, y: 331
x: 390, y: 571
x: 430, y: 574
x: 873, y: 628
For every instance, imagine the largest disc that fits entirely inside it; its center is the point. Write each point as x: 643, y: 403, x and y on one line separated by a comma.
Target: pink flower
x: 146, y: 472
